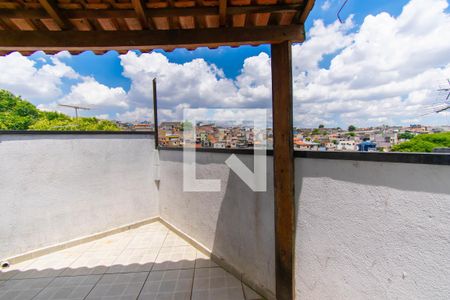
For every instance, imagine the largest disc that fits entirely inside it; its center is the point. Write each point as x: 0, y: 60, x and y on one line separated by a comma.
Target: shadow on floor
x: 149, y: 262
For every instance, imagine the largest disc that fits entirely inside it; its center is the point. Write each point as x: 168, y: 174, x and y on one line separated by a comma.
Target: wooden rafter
x: 53, y: 11
x: 140, y: 11
x: 154, y: 12
x: 150, y: 39
x: 223, y: 12
x: 303, y: 14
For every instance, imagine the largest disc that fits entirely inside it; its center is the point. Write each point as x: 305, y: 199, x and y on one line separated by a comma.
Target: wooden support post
x: 283, y: 169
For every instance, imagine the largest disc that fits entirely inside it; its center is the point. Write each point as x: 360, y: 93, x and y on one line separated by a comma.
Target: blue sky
x: 338, y: 79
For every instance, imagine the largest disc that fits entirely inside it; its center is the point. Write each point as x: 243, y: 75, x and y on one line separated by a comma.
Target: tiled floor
x: 146, y: 263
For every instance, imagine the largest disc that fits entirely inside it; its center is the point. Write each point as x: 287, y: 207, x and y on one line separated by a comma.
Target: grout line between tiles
x: 151, y: 269
x: 102, y: 275
x: 193, y: 275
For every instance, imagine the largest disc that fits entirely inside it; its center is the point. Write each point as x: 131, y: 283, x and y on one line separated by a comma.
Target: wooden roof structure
x: 101, y: 25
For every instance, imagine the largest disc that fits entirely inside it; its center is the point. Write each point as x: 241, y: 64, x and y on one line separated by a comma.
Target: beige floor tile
x: 147, y: 241
x: 204, y: 261
x: 70, y: 288
x: 114, y: 242
x: 250, y: 294
x: 134, y: 260
x: 170, y: 284
x: 179, y: 257
x: 92, y: 262
x: 153, y: 227
x: 81, y: 248
x: 118, y: 286
x: 217, y: 284
x: 23, y: 289
x: 174, y: 240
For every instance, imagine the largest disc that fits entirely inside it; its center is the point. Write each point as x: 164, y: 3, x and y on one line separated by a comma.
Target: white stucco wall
x: 54, y: 188
x: 365, y: 230
x: 236, y: 224
x: 369, y: 230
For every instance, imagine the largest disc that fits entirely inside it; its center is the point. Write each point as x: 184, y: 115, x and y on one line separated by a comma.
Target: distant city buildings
x: 211, y: 135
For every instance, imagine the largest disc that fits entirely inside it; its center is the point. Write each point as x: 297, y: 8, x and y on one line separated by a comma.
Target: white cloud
x: 326, y: 5
x: 195, y: 82
x: 138, y: 114
x: 385, y: 73
x: 21, y: 76
x: 103, y: 117
x: 91, y: 93
x: 254, y: 83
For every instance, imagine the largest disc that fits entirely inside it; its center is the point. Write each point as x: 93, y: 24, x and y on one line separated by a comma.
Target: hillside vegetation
x: 424, y: 143
x: 19, y: 114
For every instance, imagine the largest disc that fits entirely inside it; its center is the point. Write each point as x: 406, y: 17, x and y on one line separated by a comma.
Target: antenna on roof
x: 442, y: 106
x: 76, y: 107
x: 447, y: 90
x: 338, y: 13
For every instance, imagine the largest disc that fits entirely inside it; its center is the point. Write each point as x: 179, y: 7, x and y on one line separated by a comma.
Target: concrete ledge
x: 391, y: 157
x: 246, y: 279
x: 58, y: 247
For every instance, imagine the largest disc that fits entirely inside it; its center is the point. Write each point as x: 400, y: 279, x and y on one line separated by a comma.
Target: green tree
x: 406, y: 136
x: 19, y: 114
x: 351, y: 128
x: 424, y: 143
x: 321, y: 126
x: 15, y: 113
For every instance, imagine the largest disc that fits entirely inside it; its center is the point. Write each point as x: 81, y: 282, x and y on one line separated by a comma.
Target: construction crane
x: 76, y: 107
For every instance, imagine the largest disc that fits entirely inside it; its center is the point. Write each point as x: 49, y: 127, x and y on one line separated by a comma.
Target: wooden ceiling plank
x: 50, y: 6
x: 24, y: 24
x: 153, y: 12
x: 151, y: 39
x: 140, y: 12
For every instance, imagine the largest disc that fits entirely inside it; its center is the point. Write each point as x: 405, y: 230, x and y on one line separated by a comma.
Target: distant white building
x: 347, y: 146
x: 219, y: 145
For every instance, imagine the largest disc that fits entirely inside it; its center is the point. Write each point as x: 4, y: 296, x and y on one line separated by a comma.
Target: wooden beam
x: 303, y: 14
x: 140, y: 12
x: 53, y: 11
x: 154, y: 12
x: 148, y: 39
x: 223, y: 12
x: 283, y: 168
